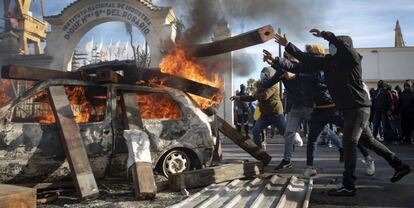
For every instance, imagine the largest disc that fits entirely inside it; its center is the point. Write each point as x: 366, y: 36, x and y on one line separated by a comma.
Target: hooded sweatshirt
x: 343, y: 71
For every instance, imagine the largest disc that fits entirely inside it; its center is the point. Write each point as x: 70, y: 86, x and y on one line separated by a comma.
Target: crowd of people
x: 325, y: 90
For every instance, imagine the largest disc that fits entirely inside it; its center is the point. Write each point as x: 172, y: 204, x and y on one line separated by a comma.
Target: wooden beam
x: 16, y: 196
x: 245, y: 143
x: 218, y: 174
x: 142, y: 173
x: 34, y: 74
x: 73, y: 145
x: 244, y: 40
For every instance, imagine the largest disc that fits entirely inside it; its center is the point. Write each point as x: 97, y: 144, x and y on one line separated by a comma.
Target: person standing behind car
x: 269, y: 102
x: 406, y: 107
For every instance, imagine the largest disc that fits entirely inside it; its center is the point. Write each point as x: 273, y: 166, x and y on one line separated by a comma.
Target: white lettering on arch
x: 103, y: 10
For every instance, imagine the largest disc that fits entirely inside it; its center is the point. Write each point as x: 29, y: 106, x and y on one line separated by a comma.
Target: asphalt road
x: 374, y: 191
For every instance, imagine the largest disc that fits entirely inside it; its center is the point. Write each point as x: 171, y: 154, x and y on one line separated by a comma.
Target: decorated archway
x: 68, y: 27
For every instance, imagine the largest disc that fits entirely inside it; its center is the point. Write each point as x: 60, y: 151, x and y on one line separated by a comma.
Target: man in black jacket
x: 406, y: 106
x: 382, y: 112
x: 343, y: 73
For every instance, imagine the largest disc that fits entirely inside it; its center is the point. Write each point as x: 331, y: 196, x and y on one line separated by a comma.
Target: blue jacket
x: 297, y: 89
x: 320, y: 92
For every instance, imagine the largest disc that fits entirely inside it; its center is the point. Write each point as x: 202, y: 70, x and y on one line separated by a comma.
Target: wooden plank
x: 218, y: 174
x: 72, y: 142
x: 17, y: 197
x: 244, y: 40
x: 245, y: 143
x: 34, y: 74
x: 142, y: 173
x: 168, y: 80
x: 107, y: 73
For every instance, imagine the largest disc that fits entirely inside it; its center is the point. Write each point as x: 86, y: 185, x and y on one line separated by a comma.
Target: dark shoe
x: 284, y: 164
x: 342, y: 191
x: 400, y: 173
x: 341, y: 155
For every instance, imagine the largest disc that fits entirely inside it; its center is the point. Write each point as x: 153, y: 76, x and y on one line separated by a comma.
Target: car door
x: 31, y: 141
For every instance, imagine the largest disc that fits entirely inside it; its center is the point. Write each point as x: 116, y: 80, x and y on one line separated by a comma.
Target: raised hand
x: 282, y: 40
x: 267, y: 57
x: 316, y: 32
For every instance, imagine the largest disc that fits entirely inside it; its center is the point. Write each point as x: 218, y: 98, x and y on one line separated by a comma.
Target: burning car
x: 30, y: 149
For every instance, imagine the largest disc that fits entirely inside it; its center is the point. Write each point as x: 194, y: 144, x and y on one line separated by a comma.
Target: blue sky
x: 370, y: 23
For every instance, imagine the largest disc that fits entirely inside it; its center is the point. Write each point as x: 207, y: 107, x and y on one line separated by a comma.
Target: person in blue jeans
x: 269, y: 102
x: 300, y: 97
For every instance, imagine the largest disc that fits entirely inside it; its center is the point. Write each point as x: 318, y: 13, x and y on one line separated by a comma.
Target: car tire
x: 175, y: 161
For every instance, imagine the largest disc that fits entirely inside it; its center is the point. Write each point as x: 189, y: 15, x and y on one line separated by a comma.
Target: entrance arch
x: 68, y: 27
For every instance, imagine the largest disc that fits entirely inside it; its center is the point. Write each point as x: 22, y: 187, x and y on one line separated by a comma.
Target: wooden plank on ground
x: 17, y: 197
x: 218, y: 174
x: 142, y: 173
x: 72, y: 143
x: 245, y: 143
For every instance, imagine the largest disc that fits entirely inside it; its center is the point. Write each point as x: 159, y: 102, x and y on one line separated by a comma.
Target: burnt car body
x: 31, y: 151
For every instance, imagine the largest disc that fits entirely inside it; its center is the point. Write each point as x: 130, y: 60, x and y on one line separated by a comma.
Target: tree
x: 250, y: 85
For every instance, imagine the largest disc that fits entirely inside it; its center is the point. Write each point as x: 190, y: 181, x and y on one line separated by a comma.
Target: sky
x: 370, y: 23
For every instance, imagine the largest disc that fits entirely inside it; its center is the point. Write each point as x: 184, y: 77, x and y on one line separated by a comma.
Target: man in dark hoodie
x: 406, y: 106
x: 343, y: 73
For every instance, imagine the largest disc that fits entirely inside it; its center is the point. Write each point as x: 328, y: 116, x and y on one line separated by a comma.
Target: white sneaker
x: 298, y: 140
x: 309, y: 172
x: 369, y: 167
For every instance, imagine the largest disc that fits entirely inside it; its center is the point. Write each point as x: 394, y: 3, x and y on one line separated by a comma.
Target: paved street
x: 375, y: 191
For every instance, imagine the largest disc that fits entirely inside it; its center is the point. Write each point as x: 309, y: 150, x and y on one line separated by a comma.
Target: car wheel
x: 175, y: 161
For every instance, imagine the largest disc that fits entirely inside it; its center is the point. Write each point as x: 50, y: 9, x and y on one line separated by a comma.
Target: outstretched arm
x: 344, y: 48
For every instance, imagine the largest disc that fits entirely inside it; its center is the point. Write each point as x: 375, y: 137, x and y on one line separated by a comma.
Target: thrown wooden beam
x: 218, y: 174
x: 244, y: 40
x: 142, y: 173
x: 71, y: 140
x: 245, y: 143
x: 17, y: 196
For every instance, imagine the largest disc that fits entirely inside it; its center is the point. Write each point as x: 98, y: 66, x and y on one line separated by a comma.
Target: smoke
x: 200, y: 18
x: 243, y: 64
x: 294, y: 17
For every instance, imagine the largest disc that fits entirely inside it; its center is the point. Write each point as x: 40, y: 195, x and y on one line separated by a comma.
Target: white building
x: 394, y: 65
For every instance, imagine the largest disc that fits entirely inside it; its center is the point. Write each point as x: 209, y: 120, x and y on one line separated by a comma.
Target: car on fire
x: 30, y: 149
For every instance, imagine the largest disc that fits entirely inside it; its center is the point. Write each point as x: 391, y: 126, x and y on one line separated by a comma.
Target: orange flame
x: 165, y: 108
x: 179, y: 63
x: 82, y: 108
x: 5, y: 89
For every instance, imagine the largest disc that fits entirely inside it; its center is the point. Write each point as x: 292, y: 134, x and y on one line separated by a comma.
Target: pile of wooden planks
x: 107, y: 72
